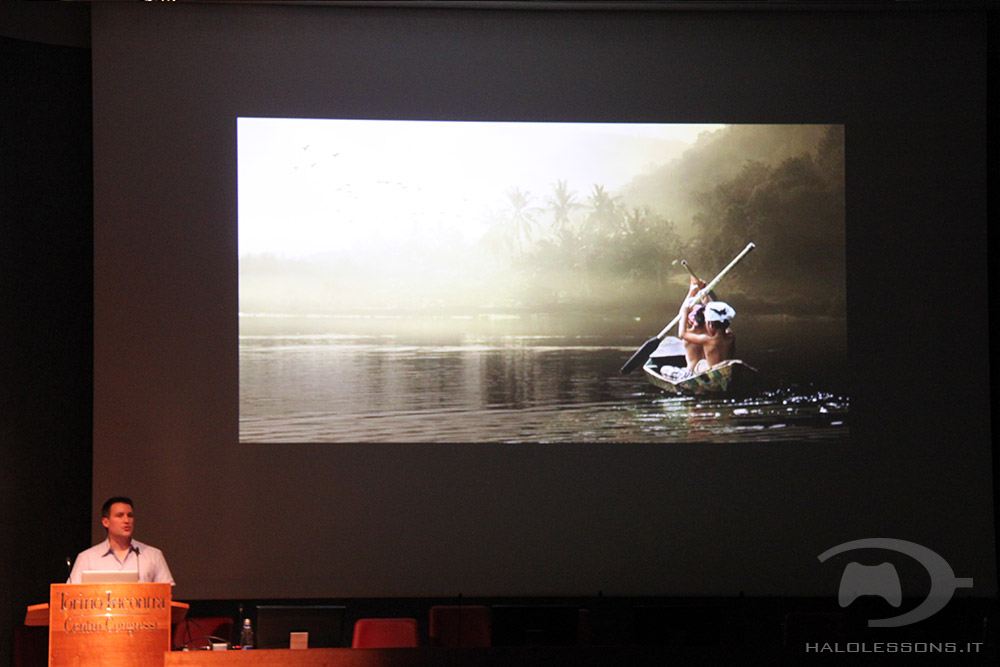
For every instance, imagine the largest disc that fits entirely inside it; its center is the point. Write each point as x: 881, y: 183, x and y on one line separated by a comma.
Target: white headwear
x: 719, y: 311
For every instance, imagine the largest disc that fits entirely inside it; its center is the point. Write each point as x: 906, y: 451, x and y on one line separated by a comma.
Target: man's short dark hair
x: 106, y: 507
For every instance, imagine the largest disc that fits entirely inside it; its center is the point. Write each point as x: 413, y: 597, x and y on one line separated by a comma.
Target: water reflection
x: 336, y: 388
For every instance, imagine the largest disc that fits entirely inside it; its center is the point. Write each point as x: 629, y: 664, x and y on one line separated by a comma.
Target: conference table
x: 549, y: 656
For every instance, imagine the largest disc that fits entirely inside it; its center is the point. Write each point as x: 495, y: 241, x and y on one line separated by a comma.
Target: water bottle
x: 246, y: 635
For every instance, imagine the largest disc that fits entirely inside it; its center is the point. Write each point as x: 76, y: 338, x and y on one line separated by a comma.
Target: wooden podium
x: 108, y: 624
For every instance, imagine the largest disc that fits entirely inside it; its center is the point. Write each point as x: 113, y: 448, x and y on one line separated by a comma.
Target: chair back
x: 385, y: 633
x: 460, y: 625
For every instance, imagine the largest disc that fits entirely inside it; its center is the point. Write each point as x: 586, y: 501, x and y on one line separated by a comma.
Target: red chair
x: 198, y: 632
x: 460, y: 625
x: 385, y: 633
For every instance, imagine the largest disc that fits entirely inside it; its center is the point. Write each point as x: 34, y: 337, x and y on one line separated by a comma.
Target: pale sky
x: 311, y: 186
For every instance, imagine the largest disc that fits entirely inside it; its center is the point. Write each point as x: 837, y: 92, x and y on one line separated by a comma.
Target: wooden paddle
x: 642, y: 354
x: 684, y: 263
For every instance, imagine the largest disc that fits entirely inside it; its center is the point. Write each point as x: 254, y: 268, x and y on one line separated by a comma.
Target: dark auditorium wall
x: 46, y: 301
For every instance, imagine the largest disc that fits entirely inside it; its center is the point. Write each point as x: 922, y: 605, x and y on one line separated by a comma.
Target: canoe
x: 730, y: 377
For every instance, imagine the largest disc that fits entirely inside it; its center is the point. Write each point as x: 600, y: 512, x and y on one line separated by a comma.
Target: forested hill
x: 671, y: 190
x: 781, y: 186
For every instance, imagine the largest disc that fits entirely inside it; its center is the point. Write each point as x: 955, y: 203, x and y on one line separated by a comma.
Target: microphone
x: 69, y: 566
x: 136, y: 550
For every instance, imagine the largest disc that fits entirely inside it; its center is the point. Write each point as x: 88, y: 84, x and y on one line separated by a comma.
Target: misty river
x: 317, y: 386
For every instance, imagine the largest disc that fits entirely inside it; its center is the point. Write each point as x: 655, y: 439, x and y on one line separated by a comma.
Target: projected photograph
x: 492, y: 282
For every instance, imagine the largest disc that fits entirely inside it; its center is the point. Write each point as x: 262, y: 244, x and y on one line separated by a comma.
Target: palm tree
x: 561, y: 204
x: 521, y: 218
x: 604, y: 218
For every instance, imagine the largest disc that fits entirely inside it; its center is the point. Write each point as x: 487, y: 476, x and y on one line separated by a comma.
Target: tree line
x: 781, y: 187
x: 596, y: 249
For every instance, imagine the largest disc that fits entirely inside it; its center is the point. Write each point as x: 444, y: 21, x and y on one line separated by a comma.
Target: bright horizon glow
x: 323, y: 186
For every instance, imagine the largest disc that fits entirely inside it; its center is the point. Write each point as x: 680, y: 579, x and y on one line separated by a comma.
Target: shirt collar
x: 133, y: 547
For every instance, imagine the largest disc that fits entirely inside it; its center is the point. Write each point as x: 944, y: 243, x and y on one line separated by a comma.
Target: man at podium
x: 119, y: 552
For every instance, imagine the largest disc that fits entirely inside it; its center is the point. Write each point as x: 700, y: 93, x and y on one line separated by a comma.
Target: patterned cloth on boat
x: 675, y: 374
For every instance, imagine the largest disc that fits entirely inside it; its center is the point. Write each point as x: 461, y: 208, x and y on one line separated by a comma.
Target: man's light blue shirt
x: 148, y: 560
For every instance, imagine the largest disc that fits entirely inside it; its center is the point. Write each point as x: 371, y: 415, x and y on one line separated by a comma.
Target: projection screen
x: 425, y: 513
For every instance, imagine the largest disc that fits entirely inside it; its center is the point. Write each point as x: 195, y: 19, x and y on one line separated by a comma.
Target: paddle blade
x: 641, y: 355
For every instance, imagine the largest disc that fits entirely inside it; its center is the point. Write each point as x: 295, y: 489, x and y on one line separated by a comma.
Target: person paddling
x: 693, y: 320
x: 718, y: 342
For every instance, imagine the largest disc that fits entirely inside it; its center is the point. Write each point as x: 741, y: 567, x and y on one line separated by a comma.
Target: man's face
x: 119, y: 521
